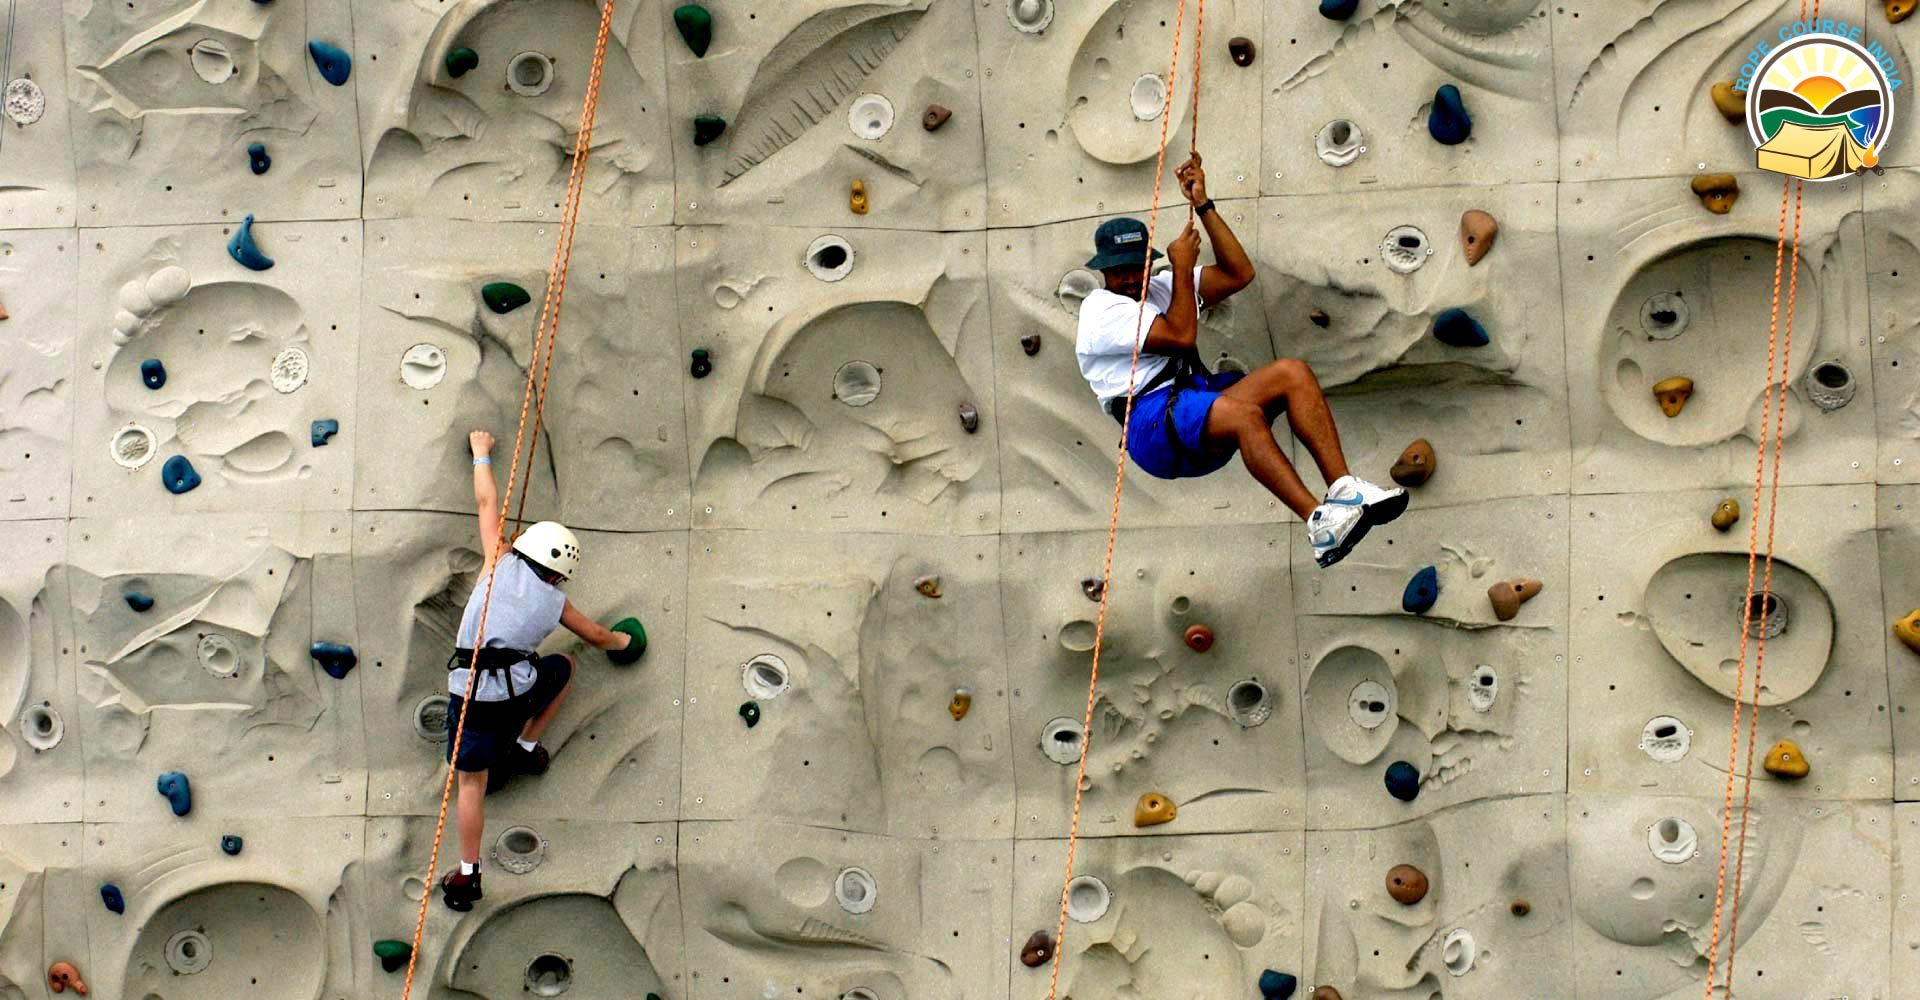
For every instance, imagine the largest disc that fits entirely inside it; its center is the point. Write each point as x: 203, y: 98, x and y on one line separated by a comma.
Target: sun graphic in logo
x: 1819, y: 109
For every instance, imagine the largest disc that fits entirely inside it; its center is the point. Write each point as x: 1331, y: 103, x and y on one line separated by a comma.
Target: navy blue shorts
x: 1148, y: 427
x: 494, y: 725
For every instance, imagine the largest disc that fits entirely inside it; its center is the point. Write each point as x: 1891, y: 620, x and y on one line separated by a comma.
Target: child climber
x: 1187, y: 421
x: 517, y: 692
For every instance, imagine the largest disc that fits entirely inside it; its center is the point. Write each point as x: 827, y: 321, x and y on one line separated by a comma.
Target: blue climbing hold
x: 1454, y: 328
x: 242, y: 249
x: 258, y: 159
x: 1277, y: 985
x: 1421, y: 592
x: 231, y: 843
x: 334, y: 63
x: 153, y: 373
x: 1448, y: 121
x: 139, y: 602
x: 1338, y: 10
x: 324, y: 429
x: 179, y: 794
x: 178, y: 475
x: 334, y: 658
x: 461, y: 61
x: 1403, y: 782
x: 110, y: 895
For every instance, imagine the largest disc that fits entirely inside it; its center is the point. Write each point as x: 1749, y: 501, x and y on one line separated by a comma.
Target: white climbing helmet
x: 549, y: 545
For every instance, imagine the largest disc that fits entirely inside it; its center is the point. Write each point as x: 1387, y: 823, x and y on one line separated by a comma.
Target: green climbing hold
x: 392, y: 954
x: 707, y: 128
x: 459, y: 61
x: 750, y: 712
x: 635, y: 647
x: 696, y: 27
x: 504, y: 296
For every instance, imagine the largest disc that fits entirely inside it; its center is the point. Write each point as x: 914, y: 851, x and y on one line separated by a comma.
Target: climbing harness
x: 1773, y: 417
x: 533, y: 399
x: 1120, y: 462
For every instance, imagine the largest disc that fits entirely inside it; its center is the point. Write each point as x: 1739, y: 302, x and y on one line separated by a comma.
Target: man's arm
x: 592, y: 632
x: 1231, y: 269
x: 1179, y: 330
x: 486, y: 496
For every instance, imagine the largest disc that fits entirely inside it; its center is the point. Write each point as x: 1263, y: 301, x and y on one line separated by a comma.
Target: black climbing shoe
x: 460, y: 891
x: 532, y: 762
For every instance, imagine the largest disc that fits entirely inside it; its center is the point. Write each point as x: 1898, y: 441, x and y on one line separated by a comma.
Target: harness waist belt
x: 1117, y: 406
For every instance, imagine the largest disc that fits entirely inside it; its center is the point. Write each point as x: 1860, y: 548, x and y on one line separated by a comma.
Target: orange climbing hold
x: 1199, y: 638
x: 1907, y: 630
x: 1786, y: 761
x: 1899, y: 10
x: 1406, y: 884
x: 1153, y: 810
x: 1673, y: 393
x: 1508, y: 595
x: 1416, y: 465
x: 961, y: 702
x: 1477, y: 233
x: 62, y: 976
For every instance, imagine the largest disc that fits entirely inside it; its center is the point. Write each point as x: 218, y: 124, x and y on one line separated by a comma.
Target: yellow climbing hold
x: 1786, y: 761
x: 1673, y: 394
x: 928, y: 586
x: 1508, y: 595
x: 1717, y: 191
x: 858, y: 199
x: 962, y: 700
x: 1907, y: 630
x: 1732, y: 106
x: 1726, y: 514
x: 1153, y: 810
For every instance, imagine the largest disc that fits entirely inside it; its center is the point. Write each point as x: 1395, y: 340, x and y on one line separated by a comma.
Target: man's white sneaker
x: 1352, y: 506
x: 1383, y: 504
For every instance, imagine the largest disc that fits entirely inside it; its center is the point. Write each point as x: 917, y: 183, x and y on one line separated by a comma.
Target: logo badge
x: 1819, y: 103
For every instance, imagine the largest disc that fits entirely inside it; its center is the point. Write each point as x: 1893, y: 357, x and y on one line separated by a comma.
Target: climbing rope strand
x: 1120, y: 472
x: 533, y: 398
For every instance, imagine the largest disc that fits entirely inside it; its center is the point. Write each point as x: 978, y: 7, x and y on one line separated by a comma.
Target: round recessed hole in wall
x: 1405, y: 249
x: 1088, y: 899
x: 25, y: 102
x: 430, y: 718
x: 1060, y: 740
x: 423, y: 366
x: 529, y: 74
x: 1666, y: 739
x: 1249, y: 703
x: 1458, y: 952
x: 42, y: 727
x: 856, y: 890
x: 870, y: 116
x: 1149, y: 97
x: 765, y: 676
x: 857, y: 383
x: 549, y: 975
x: 1370, y: 704
x: 1673, y: 841
x: 218, y: 655
x: 1030, y: 16
x: 519, y: 850
x: 189, y: 952
x: 1339, y: 142
x: 1483, y: 688
x: 289, y: 370
x: 133, y: 446
x: 859, y: 993
x: 1830, y: 385
x: 1768, y: 615
x: 1664, y: 315
x: 830, y: 258
x: 211, y: 61
x: 1075, y: 286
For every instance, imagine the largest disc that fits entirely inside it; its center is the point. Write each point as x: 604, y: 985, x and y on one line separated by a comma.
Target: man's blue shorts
x: 1187, y: 454
x: 492, y: 726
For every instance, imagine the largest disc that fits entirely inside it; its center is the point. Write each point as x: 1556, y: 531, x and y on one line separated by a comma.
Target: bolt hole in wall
x: 549, y: 975
x: 1767, y: 616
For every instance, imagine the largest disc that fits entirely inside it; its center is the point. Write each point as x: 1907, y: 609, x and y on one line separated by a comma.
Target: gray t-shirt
x: 525, y: 609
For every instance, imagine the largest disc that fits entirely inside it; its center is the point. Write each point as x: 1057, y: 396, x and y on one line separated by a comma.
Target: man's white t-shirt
x: 1108, y: 325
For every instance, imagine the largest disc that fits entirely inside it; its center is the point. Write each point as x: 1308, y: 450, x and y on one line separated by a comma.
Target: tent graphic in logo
x: 1819, y: 109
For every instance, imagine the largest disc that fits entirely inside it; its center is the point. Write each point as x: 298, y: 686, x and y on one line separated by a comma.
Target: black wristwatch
x: 1203, y: 208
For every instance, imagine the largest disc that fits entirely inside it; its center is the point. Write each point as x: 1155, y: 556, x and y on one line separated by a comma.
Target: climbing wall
x: 816, y: 415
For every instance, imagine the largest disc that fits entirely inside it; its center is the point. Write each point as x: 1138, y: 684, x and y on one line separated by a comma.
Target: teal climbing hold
x: 1276, y: 985
x: 332, y: 60
x: 110, y: 895
x: 173, y: 785
x: 322, y: 431
x: 231, y: 844
x: 1338, y: 10
x: 750, y: 712
x: 178, y: 475
x: 462, y: 60
x: 707, y: 128
x: 334, y: 658
x: 153, y: 373
x: 257, y: 158
x: 140, y: 603
x: 393, y: 955
x: 1448, y: 122
x: 504, y: 296
x: 696, y: 27
x: 702, y: 364
x: 242, y: 249
x: 635, y: 647
x: 1403, y: 782
x: 1455, y: 328
x: 1421, y: 592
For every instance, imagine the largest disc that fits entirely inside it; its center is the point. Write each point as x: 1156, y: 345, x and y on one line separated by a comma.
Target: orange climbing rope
x: 532, y: 399
x: 1773, y: 415
x: 1120, y: 463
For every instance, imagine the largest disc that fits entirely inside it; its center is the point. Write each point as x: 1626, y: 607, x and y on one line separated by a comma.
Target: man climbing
x: 518, y: 692
x: 1188, y: 421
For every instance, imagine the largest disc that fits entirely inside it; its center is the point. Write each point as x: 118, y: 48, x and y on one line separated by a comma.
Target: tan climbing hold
x: 4, y: 314
x: 1325, y: 993
x: 1240, y: 48
x: 962, y: 700
x: 1673, y: 394
x: 1320, y: 318
x: 1477, y: 231
x: 1153, y: 810
x: 1786, y: 761
x: 1416, y: 464
x: 1731, y: 105
x: 935, y: 116
x: 1907, y: 630
x: 62, y: 976
x: 1519, y: 907
x: 1899, y: 10
x: 1508, y: 595
x: 1726, y: 514
x: 1199, y: 638
x: 858, y: 200
x: 928, y: 586
x: 1717, y: 191
x: 1037, y: 951
x: 1406, y: 884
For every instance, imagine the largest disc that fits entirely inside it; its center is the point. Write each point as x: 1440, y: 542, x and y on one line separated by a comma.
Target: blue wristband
x: 483, y: 460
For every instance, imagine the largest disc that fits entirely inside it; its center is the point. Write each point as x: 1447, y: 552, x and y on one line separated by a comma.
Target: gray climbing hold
x: 334, y: 658
x: 231, y: 844
x: 1448, y: 122
x: 323, y: 430
x: 153, y: 373
x: 257, y: 158
x: 178, y: 475
x: 969, y: 418
x: 242, y: 249
x: 110, y: 895
x: 1422, y: 591
x: 1403, y: 782
x: 140, y: 603
x: 1454, y: 328
x: 173, y: 785
x: 333, y: 62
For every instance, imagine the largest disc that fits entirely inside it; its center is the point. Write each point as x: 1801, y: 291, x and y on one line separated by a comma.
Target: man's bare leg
x: 1243, y: 417
x: 473, y: 795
